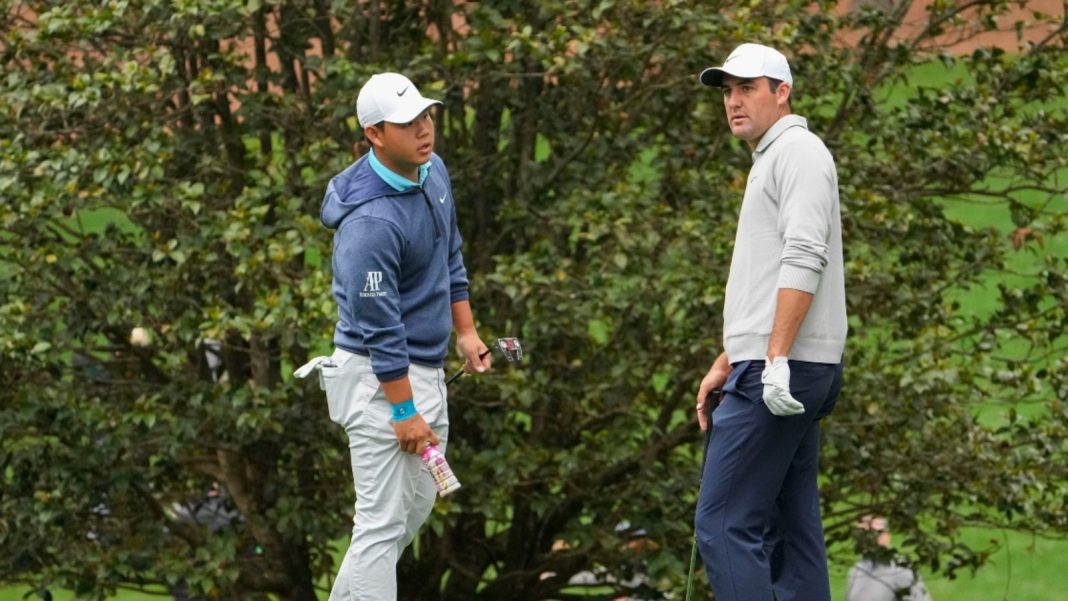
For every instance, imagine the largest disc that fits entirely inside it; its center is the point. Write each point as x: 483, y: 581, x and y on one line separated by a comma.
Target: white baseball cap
x: 750, y: 61
x: 390, y: 97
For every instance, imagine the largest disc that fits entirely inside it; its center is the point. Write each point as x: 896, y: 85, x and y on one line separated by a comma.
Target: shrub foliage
x: 162, y: 164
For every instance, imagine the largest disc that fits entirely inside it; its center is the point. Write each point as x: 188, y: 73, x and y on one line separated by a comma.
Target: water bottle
x: 444, y: 479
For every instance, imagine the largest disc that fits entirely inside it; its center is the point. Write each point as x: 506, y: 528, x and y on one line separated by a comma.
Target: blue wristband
x: 404, y: 410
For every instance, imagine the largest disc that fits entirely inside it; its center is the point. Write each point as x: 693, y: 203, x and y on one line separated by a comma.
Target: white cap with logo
x: 750, y: 61
x: 390, y: 97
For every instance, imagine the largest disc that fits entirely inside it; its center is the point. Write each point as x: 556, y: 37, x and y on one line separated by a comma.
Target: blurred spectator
x: 873, y: 580
x: 212, y: 511
x: 634, y: 580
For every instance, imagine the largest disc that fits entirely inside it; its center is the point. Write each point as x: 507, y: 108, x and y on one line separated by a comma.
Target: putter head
x: 510, y: 348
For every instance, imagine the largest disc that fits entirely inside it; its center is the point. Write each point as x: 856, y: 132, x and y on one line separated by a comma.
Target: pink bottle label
x: 440, y: 471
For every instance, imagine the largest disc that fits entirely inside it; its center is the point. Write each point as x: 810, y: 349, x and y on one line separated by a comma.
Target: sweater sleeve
x: 367, y: 261
x: 808, y: 189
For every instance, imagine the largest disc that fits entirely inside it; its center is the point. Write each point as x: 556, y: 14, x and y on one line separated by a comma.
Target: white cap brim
x: 410, y: 108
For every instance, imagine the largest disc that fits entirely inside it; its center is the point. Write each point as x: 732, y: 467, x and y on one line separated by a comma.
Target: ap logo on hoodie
x: 370, y: 288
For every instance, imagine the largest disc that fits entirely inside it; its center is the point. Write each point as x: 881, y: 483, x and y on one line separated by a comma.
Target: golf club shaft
x: 711, y: 401
x: 461, y: 372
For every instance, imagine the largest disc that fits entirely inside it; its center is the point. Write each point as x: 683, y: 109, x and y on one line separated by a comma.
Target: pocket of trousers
x: 745, y: 381
x: 349, y: 388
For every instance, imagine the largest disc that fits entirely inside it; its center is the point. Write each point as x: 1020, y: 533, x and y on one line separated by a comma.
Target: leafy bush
x: 161, y: 165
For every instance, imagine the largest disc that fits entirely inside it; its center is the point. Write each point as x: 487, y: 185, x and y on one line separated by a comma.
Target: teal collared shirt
x: 395, y: 181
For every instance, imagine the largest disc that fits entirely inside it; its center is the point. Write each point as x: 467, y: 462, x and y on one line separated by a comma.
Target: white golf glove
x: 776, y: 380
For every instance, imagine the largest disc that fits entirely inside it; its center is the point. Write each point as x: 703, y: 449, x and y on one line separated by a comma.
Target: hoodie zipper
x: 433, y: 217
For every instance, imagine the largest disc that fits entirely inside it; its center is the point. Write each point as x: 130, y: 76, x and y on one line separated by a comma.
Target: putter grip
x: 444, y: 479
x: 481, y: 355
x: 712, y: 400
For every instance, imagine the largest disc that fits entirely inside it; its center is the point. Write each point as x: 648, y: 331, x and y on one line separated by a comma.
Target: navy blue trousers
x: 758, y: 515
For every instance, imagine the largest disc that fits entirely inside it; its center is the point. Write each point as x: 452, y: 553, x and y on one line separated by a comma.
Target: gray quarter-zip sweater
x: 789, y: 236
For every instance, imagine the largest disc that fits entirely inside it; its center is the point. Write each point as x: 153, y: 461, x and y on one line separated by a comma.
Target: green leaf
x: 598, y: 331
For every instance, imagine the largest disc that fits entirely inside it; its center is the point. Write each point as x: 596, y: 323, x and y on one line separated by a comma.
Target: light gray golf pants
x: 394, y: 492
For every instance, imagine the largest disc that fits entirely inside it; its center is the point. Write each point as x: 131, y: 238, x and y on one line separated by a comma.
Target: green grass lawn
x: 1024, y: 569
x: 19, y: 593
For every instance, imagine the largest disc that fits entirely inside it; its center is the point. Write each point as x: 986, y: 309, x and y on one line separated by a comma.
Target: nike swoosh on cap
x: 401, y: 93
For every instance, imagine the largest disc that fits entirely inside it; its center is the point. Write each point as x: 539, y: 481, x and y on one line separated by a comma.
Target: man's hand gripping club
x: 477, y: 356
x: 713, y: 380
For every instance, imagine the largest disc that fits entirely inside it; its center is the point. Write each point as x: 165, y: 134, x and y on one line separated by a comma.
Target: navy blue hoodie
x: 397, y: 267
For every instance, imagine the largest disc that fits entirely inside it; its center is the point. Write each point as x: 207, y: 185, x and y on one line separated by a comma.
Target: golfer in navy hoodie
x: 401, y: 287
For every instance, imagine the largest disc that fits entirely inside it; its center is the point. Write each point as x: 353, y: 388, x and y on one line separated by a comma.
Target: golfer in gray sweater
x: 758, y: 516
